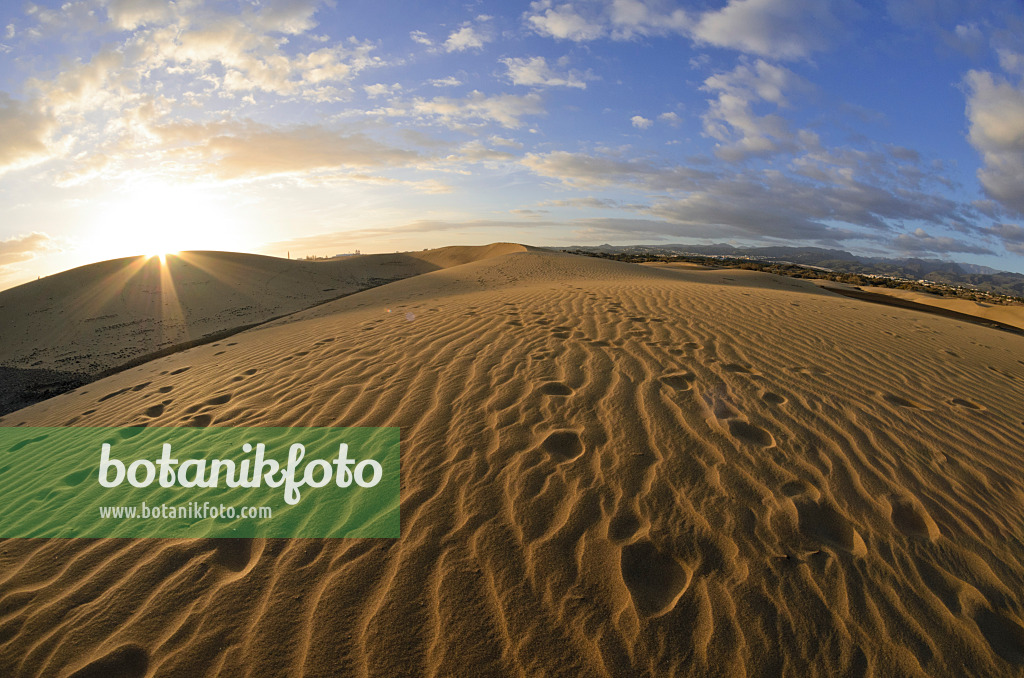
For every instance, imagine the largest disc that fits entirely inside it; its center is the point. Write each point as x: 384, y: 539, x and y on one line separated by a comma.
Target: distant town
x: 985, y: 288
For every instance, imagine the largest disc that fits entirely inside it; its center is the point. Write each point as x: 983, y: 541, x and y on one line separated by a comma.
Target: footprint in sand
x: 655, y: 579
x: 680, y: 382
x: 563, y: 445
x: 154, y: 411
x: 127, y: 661
x: 1003, y: 633
x: 773, y: 398
x: 911, y: 519
x: 233, y: 554
x: 822, y: 522
x: 902, y: 402
x: 555, y: 388
x: 113, y: 394
x: 966, y: 403
x: 183, y: 369
x: 199, y: 421
x: 751, y: 434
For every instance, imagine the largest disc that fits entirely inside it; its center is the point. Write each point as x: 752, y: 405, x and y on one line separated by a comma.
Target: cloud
x: 921, y: 242
x: 590, y: 171
x: 24, y: 131
x: 617, y: 19
x: 421, y: 38
x: 866, y: 191
x: 22, y: 248
x: 506, y: 110
x: 995, y: 113
x: 233, y: 151
x: 731, y: 118
x: 380, y: 89
x: 671, y: 118
x: 535, y: 71
x: 1011, y: 235
x: 129, y: 14
x: 450, y: 81
x: 476, y: 151
x: 1010, y: 61
x: 562, y: 22
x: 640, y: 122
x: 465, y: 38
x: 779, y: 29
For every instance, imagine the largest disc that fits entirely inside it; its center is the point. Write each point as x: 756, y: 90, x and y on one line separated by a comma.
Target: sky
x: 886, y: 128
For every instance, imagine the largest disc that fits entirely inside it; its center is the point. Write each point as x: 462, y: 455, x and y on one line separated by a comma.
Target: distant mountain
x: 951, y: 273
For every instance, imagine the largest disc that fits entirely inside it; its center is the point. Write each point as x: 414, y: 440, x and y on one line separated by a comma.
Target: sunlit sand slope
x: 102, y: 315
x: 608, y: 470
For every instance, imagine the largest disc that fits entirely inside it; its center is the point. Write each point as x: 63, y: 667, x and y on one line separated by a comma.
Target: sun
x: 155, y: 219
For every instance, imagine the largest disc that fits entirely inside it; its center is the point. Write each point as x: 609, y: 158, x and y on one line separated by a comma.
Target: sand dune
x: 1009, y: 314
x: 67, y: 328
x: 608, y: 470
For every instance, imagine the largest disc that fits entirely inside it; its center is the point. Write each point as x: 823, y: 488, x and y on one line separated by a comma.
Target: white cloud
x: 380, y: 89
x: 465, y: 38
x: 995, y: 112
x: 562, y: 22
x: 631, y: 18
x: 476, y: 151
x: 618, y: 19
x: 450, y: 81
x: 238, y: 150
x: 671, y: 118
x: 507, y: 143
x: 128, y: 14
x: 24, y: 132
x: 640, y: 122
x: 1010, y: 61
x: 421, y: 38
x: 731, y: 118
x: 535, y: 71
x: 780, y: 29
x: 505, y: 109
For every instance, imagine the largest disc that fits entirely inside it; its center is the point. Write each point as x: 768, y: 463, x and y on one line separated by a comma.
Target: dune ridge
x: 70, y: 328
x: 608, y: 470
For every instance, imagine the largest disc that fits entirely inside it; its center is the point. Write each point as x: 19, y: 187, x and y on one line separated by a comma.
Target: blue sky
x: 888, y: 128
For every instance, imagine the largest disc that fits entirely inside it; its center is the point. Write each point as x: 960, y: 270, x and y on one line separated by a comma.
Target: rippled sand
x: 608, y: 470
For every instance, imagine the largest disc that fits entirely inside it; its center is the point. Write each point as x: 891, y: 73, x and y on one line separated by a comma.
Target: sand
x: 608, y: 470
x: 67, y: 329
x: 1009, y: 314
